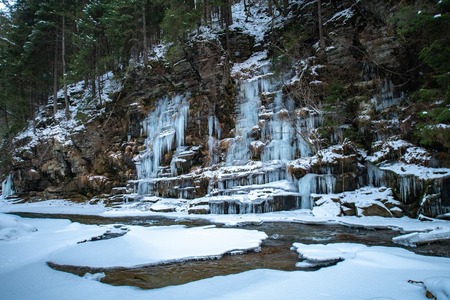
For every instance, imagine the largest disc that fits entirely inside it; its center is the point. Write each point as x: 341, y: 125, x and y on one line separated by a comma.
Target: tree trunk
x: 98, y: 75
x: 100, y: 90
x: 63, y: 58
x: 55, y: 78
x: 144, y: 33
x: 228, y: 20
x: 206, y: 12
x: 30, y: 92
x: 321, y: 39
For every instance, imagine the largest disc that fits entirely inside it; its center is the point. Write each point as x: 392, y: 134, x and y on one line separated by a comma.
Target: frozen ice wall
x: 248, y: 104
x: 264, y: 115
x: 164, y: 128
x: 268, y: 119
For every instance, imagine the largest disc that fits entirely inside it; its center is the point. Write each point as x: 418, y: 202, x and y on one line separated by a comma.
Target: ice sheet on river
x: 162, y: 244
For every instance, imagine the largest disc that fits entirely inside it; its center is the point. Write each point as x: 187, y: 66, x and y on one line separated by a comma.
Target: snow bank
x: 304, y: 216
x: 54, y: 207
x: 42, y: 237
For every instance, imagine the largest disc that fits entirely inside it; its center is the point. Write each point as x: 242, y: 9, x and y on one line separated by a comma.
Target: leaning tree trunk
x: 55, y: 78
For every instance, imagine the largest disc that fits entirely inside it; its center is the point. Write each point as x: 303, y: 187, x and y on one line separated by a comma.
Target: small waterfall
x: 282, y: 134
x: 7, y: 187
x: 269, y: 129
x: 280, y: 130
x: 144, y: 187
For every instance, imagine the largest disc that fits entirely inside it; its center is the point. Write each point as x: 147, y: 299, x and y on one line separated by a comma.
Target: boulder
x: 374, y: 209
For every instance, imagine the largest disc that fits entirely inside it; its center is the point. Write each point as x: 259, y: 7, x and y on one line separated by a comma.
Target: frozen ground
x: 26, y: 245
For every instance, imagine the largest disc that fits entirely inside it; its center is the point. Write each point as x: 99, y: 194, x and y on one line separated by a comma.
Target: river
x: 275, y: 252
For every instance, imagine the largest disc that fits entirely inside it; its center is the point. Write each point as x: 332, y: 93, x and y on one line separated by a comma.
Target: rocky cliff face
x: 274, y: 123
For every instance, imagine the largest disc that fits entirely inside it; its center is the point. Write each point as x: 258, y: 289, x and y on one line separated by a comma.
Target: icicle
x: 375, y: 176
x: 210, y: 125
x: 409, y: 185
x: 325, y: 184
x: 282, y: 145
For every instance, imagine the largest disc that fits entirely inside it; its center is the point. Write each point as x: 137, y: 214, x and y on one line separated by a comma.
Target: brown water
x: 275, y: 251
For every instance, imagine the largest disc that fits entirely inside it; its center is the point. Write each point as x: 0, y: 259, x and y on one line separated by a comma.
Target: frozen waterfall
x: 269, y: 132
x: 7, y: 187
x: 266, y: 117
x: 214, y: 135
x: 164, y: 128
x: 247, y: 118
